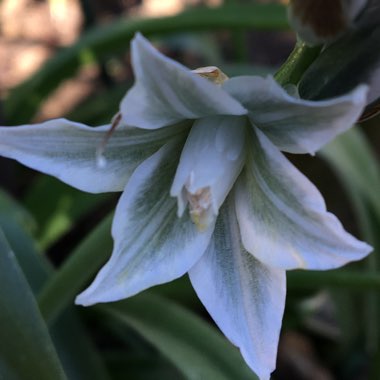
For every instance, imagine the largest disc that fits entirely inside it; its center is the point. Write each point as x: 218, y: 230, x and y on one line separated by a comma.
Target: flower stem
x: 297, y: 63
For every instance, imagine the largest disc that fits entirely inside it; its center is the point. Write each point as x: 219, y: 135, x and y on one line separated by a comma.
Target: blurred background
x: 34, y: 30
x: 328, y: 333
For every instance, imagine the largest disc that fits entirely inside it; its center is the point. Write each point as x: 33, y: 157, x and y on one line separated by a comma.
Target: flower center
x: 200, y: 207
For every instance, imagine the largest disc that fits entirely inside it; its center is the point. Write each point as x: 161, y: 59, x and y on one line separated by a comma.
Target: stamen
x: 200, y: 207
x: 212, y: 73
x: 101, y: 161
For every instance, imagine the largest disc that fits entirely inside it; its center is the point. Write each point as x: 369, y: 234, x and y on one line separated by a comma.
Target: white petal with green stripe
x: 245, y: 298
x: 165, y: 92
x: 68, y: 150
x: 283, y: 218
x: 152, y: 245
x: 295, y: 125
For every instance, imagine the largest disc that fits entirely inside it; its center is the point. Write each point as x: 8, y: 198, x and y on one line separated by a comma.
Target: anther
x: 212, y: 73
x: 199, y: 207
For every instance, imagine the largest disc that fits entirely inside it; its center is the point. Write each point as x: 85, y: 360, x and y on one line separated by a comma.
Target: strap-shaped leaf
x: 62, y: 207
x: 352, y: 158
x: 352, y: 60
x: 194, y: 347
x: 79, y: 358
x: 26, y: 349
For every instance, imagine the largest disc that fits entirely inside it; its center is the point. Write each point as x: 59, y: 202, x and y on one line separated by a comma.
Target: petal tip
x: 91, y: 297
x: 140, y: 45
x: 260, y: 369
x: 138, y: 37
x: 83, y: 300
x: 360, y: 94
x: 367, y: 249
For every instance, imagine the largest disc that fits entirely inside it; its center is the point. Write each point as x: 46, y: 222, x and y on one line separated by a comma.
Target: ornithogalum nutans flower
x: 206, y: 190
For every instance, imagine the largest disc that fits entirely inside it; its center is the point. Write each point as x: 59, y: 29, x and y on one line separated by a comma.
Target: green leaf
x: 101, y: 42
x: 26, y: 349
x: 123, y: 365
x: 351, y: 156
x: 61, y: 208
x: 10, y: 208
x: 83, y: 263
x: 344, y: 64
x: 78, y: 356
x: 95, y: 111
x: 191, y: 344
x: 24, y: 247
x: 340, y: 279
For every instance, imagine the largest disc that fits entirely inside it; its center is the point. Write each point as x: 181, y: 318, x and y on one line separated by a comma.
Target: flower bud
x: 322, y: 21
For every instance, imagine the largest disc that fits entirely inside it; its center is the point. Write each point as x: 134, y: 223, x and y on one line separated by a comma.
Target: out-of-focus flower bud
x: 352, y: 59
x: 322, y: 21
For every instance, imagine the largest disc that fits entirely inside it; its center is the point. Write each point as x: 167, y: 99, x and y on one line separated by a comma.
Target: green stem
x: 61, y: 289
x: 298, y: 61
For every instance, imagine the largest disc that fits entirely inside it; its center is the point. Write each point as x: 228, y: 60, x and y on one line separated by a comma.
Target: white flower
x: 206, y: 191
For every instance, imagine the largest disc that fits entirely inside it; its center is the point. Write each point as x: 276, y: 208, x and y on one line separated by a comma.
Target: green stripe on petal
x: 152, y: 245
x: 295, y: 125
x: 68, y: 150
x: 166, y: 92
x: 283, y: 218
x: 244, y: 297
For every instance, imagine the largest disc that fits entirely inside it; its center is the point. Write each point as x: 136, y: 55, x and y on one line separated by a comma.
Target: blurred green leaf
x: 78, y: 357
x: 123, y: 365
x: 352, y: 158
x: 95, y: 111
x: 25, y: 249
x: 101, y: 42
x: 61, y: 289
x: 26, y: 349
x: 338, y: 278
x: 355, y: 163
x: 10, y: 208
x: 348, y: 62
x: 61, y: 207
x: 181, y: 292
x: 192, y: 345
